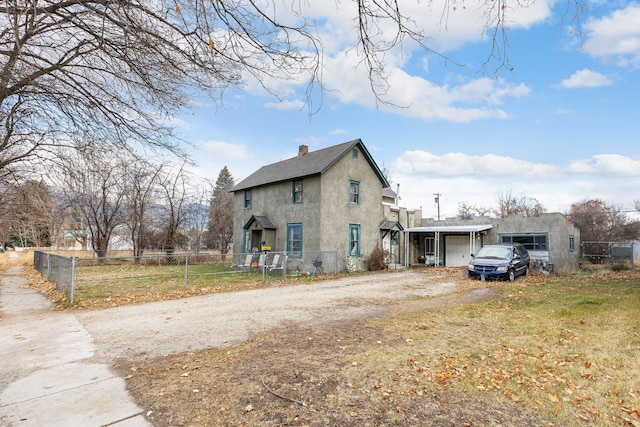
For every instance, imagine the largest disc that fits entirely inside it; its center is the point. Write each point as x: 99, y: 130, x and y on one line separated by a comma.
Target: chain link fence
x: 625, y: 253
x: 57, y: 269
x: 122, y: 276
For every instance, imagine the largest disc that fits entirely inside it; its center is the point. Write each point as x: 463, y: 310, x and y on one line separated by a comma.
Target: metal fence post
x: 186, y: 271
x: 73, y: 280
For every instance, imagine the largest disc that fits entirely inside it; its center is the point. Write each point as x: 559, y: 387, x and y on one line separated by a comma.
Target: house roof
x: 388, y: 192
x: 451, y: 228
x: 312, y: 163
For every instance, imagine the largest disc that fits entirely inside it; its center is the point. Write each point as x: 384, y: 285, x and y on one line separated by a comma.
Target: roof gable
x: 313, y: 163
x: 262, y: 220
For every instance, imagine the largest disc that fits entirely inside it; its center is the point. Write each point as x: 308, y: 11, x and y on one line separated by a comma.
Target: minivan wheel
x: 512, y: 275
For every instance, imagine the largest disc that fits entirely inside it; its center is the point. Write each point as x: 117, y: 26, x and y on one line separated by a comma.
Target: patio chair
x: 247, y: 264
x: 274, y: 263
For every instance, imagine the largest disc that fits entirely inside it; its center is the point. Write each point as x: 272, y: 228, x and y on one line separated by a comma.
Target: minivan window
x: 494, y: 252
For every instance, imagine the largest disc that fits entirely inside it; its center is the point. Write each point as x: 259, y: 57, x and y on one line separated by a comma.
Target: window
x: 572, y: 243
x: 247, y: 199
x: 294, y: 240
x: 296, y: 193
x: 354, y: 193
x: 245, y: 243
x: 354, y: 153
x: 395, y: 237
x: 354, y: 239
x: 533, y: 242
x: 429, y: 245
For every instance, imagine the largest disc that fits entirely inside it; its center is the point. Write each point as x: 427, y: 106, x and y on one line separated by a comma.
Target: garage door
x: 456, y: 250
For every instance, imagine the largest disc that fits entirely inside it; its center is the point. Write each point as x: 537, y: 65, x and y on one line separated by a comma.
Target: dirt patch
x: 296, y: 371
x: 300, y: 376
x: 221, y: 320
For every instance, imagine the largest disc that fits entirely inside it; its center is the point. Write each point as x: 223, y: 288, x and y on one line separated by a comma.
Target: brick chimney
x: 302, y: 150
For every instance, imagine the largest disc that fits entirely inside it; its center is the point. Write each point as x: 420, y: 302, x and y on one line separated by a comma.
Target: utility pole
x: 437, y: 201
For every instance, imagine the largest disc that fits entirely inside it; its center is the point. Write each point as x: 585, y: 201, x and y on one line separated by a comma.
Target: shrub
x: 376, y: 261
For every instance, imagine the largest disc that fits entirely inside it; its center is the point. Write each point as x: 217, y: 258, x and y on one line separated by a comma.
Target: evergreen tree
x: 221, y: 212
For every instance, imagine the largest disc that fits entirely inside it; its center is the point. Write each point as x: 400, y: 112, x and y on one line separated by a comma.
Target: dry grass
x: 9, y: 258
x: 545, y: 351
x: 106, y: 295
x: 560, y: 351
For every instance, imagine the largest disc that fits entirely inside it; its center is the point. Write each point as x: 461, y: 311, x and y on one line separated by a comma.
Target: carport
x: 427, y: 245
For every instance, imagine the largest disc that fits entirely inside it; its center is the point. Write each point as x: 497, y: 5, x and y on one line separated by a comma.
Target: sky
x: 560, y: 125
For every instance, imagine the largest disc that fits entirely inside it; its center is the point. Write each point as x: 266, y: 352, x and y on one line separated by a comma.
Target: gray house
x: 551, y: 239
x: 325, y: 200
x: 337, y: 199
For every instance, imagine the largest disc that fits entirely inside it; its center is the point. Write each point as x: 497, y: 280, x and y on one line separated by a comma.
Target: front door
x: 256, y: 238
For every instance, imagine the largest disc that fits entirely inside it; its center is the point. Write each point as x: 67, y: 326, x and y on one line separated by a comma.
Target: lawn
x: 547, y: 350
x: 128, y: 279
x: 119, y: 283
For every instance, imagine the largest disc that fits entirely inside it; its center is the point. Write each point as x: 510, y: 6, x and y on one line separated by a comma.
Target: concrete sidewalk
x: 47, y: 377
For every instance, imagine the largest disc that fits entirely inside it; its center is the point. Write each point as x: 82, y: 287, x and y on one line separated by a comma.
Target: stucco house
x: 337, y: 199
x: 551, y: 239
x: 332, y: 199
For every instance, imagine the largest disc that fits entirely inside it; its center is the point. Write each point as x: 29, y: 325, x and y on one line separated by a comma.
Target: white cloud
x: 346, y: 79
x: 286, y: 105
x: 459, y: 164
x: 611, y: 164
x: 223, y: 150
x: 586, y: 78
x: 211, y: 156
x: 462, y: 178
x: 616, y: 36
x: 564, y: 111
x: 414, y: 96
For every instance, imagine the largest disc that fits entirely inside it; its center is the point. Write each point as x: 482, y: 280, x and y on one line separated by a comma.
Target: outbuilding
x: 551, y: 239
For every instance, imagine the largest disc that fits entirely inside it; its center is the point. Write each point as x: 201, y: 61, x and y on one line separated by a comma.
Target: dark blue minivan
x: 500, y: 261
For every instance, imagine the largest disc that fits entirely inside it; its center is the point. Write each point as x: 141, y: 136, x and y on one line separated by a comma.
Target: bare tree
x: 599, y: 221
x: 197, y: 218
x: 142, y: 179
x: 466, y: 211
x: 95, y: 191
x: 28, y: 214
x: 74, y: 72
x: 510, y: 204
x: 173, y: 208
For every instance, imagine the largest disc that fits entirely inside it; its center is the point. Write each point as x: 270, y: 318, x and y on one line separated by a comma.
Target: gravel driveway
x: 219, y: 320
